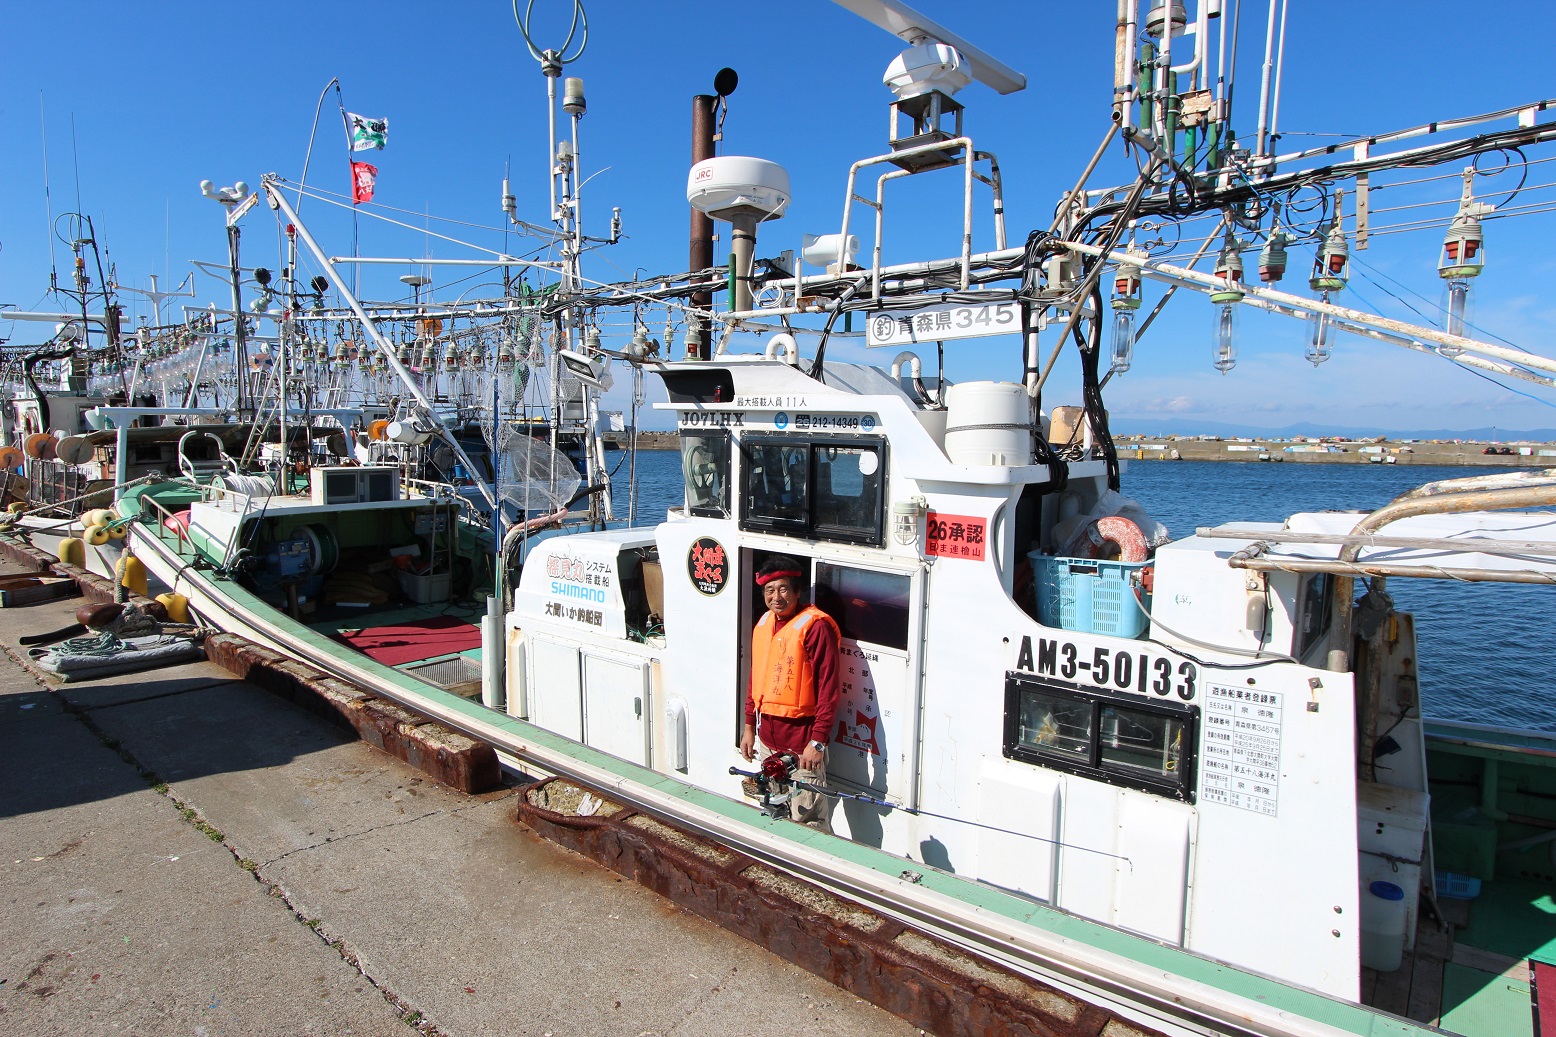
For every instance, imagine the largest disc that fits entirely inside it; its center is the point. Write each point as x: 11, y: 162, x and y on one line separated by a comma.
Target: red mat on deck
x: 1544, y: 991
x: 408, y: 642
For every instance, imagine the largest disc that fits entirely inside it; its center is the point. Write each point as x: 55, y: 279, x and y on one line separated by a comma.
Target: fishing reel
x: 773, y: 786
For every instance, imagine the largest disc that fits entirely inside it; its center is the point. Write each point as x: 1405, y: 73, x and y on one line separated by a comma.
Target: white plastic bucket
x: 1383, y: 912
x: 988, y: 423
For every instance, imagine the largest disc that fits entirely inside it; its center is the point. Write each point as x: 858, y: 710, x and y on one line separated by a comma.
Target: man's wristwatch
x: 820, y: 747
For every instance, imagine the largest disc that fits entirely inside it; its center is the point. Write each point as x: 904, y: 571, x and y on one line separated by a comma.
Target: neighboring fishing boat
x: 1189, y: 781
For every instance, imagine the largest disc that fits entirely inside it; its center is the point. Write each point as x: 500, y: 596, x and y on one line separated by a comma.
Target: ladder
x: 264, y: 413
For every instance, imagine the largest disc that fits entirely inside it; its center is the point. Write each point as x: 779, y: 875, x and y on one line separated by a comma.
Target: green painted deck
x: 1483, y: 1004
x: 1513, y: 917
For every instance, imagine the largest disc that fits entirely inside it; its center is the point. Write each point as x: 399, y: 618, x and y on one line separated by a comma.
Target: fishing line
x: 1509, y: 388
x: 921, y: 812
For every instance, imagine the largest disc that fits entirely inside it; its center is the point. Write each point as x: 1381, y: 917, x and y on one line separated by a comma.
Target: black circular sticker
x: 707, y: 565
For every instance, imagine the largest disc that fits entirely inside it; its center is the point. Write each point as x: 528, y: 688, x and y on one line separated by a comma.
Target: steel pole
x: 700, y: 255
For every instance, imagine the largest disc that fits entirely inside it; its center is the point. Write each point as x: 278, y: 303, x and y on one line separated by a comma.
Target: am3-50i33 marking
x: 1104, y: 667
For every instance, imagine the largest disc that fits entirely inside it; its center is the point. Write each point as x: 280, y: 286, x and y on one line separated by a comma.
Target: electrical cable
x: 1273, y: 657
x: 1091, y: 389
x: 826, y: 331
x: 1039, y: 244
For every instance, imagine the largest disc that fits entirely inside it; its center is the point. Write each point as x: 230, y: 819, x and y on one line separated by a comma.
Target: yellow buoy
x: 117, y: 532
x: 72, y: 551
x: 177, y: 607
x: 97, y: 517
x: 132, y: 574
x: 97, y: 536
x: 16, y: 507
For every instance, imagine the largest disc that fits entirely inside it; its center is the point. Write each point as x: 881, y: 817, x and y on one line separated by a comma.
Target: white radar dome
x: 733, y: 186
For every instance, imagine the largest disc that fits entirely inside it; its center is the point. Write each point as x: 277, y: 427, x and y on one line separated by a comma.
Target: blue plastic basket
x: 1089, y: 595
x: 1457, y: 887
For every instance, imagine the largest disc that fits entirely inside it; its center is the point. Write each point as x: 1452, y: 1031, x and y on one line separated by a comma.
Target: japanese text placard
x: 955, y: 536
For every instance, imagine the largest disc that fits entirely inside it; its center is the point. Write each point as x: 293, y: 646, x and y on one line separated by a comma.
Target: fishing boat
x: 1188, y: 780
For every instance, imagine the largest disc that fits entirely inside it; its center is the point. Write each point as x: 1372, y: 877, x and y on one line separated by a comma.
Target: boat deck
x: 436, y: 643
x: 1470, y: 974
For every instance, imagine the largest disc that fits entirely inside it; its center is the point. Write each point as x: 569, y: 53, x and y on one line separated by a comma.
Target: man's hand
x: 748, y: 743
x: 811, y: 758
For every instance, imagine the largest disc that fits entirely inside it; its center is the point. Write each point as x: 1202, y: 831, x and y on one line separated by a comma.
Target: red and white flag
x: 363, y: 177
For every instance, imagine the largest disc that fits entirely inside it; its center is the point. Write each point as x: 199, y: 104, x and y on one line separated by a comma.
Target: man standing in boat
x: 794, y: 684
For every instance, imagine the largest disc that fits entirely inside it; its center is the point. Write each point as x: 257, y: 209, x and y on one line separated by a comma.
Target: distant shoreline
x: 1279, y: 451
x: 1341, y: 451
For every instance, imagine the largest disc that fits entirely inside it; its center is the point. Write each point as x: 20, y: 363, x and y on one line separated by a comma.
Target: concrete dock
x: 184, y: 853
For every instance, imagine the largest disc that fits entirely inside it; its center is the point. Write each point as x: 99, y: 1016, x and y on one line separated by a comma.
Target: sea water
x: 1479, y: 643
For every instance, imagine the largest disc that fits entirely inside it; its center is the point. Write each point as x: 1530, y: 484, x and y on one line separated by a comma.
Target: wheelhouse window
x: 820, y: 489
x: 705, y: 459
x: 1120, y: 740
x: 868, y: 606
x: 848, y: 491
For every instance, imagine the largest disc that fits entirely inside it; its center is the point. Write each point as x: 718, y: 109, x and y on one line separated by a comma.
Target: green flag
x: 367, y: 134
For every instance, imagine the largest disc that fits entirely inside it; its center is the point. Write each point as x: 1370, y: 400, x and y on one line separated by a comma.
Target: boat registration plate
x: 1104, y: 667
x: 940, y: 323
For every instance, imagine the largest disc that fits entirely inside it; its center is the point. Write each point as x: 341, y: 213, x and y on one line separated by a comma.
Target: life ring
x: 1123, y: 534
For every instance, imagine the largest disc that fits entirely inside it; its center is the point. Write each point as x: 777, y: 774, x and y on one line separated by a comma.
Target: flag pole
x: 351, y: 171
x: 318, y: 108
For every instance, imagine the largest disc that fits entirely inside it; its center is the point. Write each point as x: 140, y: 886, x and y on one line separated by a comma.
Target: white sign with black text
x: 1241, y: 767
x: 939, y: 323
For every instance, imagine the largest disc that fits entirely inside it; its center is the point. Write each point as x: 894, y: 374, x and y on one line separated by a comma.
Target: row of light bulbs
x: 1460, y: 261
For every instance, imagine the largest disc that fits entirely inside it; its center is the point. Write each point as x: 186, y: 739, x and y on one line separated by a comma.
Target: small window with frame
x: 848, y: 491
x: 705, y: 461
x: 777, y: 484
x: 868, y: 605
x: 823, y: 489
x: 1121, y: 740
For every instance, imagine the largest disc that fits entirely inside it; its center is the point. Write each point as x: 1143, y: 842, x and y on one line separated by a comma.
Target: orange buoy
x: 42, y: 446
x: 378, y: 430
x: 11, y: 457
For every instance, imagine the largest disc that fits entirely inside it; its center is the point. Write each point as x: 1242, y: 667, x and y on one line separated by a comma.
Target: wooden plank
x: 1487, y: 961
x: 1433, y: 947
x: 1392, y: 994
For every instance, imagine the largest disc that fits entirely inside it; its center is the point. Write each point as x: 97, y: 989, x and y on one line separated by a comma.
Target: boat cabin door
x: 873, y: 740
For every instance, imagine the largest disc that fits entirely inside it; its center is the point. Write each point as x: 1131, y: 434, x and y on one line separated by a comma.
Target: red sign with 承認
x: 955, y: 536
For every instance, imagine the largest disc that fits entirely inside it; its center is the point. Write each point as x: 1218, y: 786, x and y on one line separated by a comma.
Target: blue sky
x: 160, y: 96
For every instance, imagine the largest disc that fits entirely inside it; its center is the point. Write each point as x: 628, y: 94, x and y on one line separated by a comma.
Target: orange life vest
x: 782, y: 681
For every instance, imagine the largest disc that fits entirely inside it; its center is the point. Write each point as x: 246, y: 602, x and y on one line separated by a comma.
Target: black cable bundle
x: 1040, y: 244
x: 1091, y: 386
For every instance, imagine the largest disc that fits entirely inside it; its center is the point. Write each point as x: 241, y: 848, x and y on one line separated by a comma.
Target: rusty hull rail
x: 903, y: 970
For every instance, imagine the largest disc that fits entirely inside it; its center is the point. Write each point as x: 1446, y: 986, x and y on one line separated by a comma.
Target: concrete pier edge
x: 904, y: 971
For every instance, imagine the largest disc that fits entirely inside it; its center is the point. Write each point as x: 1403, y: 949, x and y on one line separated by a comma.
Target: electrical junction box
x: 430, y: 522
x: 293, y: 559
